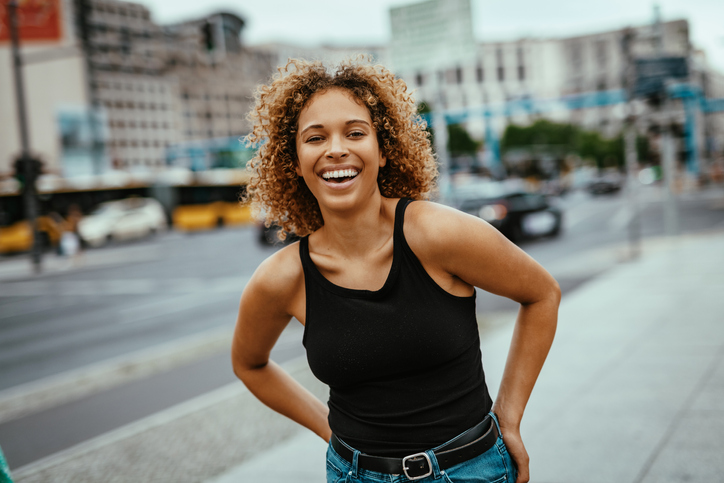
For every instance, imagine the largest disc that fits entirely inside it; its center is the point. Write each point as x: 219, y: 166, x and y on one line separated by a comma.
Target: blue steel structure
x: 691, y: 96
x: 206, y: 154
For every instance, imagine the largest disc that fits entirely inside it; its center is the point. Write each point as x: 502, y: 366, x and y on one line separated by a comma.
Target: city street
x: 126, y: 301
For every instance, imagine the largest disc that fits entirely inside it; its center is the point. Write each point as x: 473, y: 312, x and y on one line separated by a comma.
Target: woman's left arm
x: 470, y: 251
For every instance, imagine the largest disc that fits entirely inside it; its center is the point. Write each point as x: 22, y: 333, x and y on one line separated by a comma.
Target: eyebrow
x: 320, y: 126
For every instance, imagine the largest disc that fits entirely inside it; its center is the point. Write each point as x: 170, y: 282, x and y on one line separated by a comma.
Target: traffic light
x: 21, y: 174
x: 207, y: 32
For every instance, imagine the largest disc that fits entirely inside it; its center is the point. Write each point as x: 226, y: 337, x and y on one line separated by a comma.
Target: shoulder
x: 435, y: 231
x: 278, y: 278
x: 434, y: 223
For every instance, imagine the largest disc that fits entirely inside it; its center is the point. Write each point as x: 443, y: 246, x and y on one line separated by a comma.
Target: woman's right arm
x: 273, y: 295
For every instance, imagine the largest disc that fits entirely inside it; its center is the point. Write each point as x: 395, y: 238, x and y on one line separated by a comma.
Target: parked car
x: 606, y: 183
x: 18, y: 237
x: 122, y: 220
x: 516, y: 214
x: 208, y: 216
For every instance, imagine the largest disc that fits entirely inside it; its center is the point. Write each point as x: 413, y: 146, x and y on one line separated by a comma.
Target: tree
x: 544, y: 135
x: 422, y: 109
x: 459, y: 142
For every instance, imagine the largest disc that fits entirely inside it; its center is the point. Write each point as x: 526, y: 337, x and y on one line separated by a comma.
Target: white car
x: 122, y: 220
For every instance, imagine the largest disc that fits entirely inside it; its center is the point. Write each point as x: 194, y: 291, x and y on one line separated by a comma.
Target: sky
x: 343, y: 22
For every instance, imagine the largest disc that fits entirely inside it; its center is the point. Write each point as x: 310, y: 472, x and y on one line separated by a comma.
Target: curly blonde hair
x: 276, y: 191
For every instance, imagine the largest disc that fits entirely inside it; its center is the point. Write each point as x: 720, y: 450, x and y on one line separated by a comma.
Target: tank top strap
x: 304, y: 252
x: 400, y: 218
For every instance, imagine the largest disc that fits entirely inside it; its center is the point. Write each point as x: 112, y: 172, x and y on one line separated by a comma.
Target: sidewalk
x: 631, y: 391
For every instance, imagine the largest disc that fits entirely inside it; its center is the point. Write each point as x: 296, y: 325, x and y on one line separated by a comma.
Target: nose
x: 337, y: 148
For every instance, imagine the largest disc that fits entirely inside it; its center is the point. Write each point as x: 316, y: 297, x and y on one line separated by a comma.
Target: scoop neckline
x: 391, y: 275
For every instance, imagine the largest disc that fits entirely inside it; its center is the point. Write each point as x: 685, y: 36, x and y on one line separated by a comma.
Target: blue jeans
x: 493, y: 466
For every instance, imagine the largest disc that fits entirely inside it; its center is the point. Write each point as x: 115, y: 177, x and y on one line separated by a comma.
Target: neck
x: 358, y: 232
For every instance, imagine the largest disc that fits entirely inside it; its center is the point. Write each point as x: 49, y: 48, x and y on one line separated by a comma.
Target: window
x: 602, y: 53
x: 576, y: 53
x: 418, y: 79
x: 459, y: 75
x: 479, y: 74
x: 501, y: 68
x: 521, y: 64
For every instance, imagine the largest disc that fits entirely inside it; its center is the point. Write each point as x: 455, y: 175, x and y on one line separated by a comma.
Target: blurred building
x: 54, y: 80
x: 330, y: 55
x: 582, y: 79
x: 527, y: 73
x: 116, y: 89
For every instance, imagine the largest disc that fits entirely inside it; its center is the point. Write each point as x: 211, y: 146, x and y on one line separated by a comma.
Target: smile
x: 340, y: 175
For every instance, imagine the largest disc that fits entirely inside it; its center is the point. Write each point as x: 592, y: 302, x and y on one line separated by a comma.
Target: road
x: 176, y: 285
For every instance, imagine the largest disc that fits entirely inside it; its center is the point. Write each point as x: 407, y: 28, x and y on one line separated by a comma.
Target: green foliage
x: 424, y: 108
x: 459, y: 141
x: 541, y: 132
x: 587, y: 144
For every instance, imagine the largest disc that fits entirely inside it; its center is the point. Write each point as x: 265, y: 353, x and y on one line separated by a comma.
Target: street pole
x: 634, y: 228
x: 668, y: 145
x: 671, y: 211
x: 439, y: 124
x: 31, y: 209
x: 631, y: 155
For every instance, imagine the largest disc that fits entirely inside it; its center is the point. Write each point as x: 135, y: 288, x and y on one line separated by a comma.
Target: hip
x: 493, y: 465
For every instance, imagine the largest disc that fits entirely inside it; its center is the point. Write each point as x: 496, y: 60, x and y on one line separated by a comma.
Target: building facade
x: 128, y: 89
x: 583, y: 80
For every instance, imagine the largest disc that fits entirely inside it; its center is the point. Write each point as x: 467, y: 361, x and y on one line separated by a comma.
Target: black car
x: 605, y: 184
x: 269, y: 235
x: 517, y: 215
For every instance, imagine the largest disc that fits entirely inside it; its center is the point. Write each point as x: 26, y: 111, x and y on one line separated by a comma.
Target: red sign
x: 37, y: 20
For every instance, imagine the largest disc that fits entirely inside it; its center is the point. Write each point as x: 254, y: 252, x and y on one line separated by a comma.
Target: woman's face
x: 337, y: 150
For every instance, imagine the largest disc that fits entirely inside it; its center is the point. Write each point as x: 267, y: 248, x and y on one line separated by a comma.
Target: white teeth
x: 342, y: 173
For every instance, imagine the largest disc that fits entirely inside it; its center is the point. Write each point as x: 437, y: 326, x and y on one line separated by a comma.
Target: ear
x: 297, y: 167
x: 383, y: 159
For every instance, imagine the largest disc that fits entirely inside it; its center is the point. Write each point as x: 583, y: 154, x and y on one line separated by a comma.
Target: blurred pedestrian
x: 70, y: 246
x: 384, y: 283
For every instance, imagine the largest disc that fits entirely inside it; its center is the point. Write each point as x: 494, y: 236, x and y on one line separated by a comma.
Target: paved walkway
x: 631, y: 392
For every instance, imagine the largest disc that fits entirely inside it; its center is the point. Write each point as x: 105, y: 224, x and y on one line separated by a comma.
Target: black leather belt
x: 468, y: 445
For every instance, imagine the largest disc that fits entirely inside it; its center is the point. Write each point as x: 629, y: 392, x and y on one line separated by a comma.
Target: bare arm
x: 459, y: 249
x: 269, y: 301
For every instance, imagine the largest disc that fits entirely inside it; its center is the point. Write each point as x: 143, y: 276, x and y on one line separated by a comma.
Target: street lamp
x: 26, y: 162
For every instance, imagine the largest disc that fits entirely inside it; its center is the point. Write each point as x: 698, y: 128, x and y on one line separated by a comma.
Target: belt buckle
x: 416, y: 455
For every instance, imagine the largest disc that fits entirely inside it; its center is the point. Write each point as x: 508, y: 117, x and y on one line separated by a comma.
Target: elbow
x: 555, y: 291
x: 242, y: 369
x: 547, y: 293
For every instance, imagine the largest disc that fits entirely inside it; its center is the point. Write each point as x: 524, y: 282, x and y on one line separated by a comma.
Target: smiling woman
x: 383, y: 103
x: 384, y: 284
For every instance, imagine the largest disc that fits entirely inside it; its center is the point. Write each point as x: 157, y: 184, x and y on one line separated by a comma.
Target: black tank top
x: 403, y: 363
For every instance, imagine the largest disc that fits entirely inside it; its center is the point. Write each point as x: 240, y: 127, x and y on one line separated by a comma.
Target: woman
x: 384, y: 286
